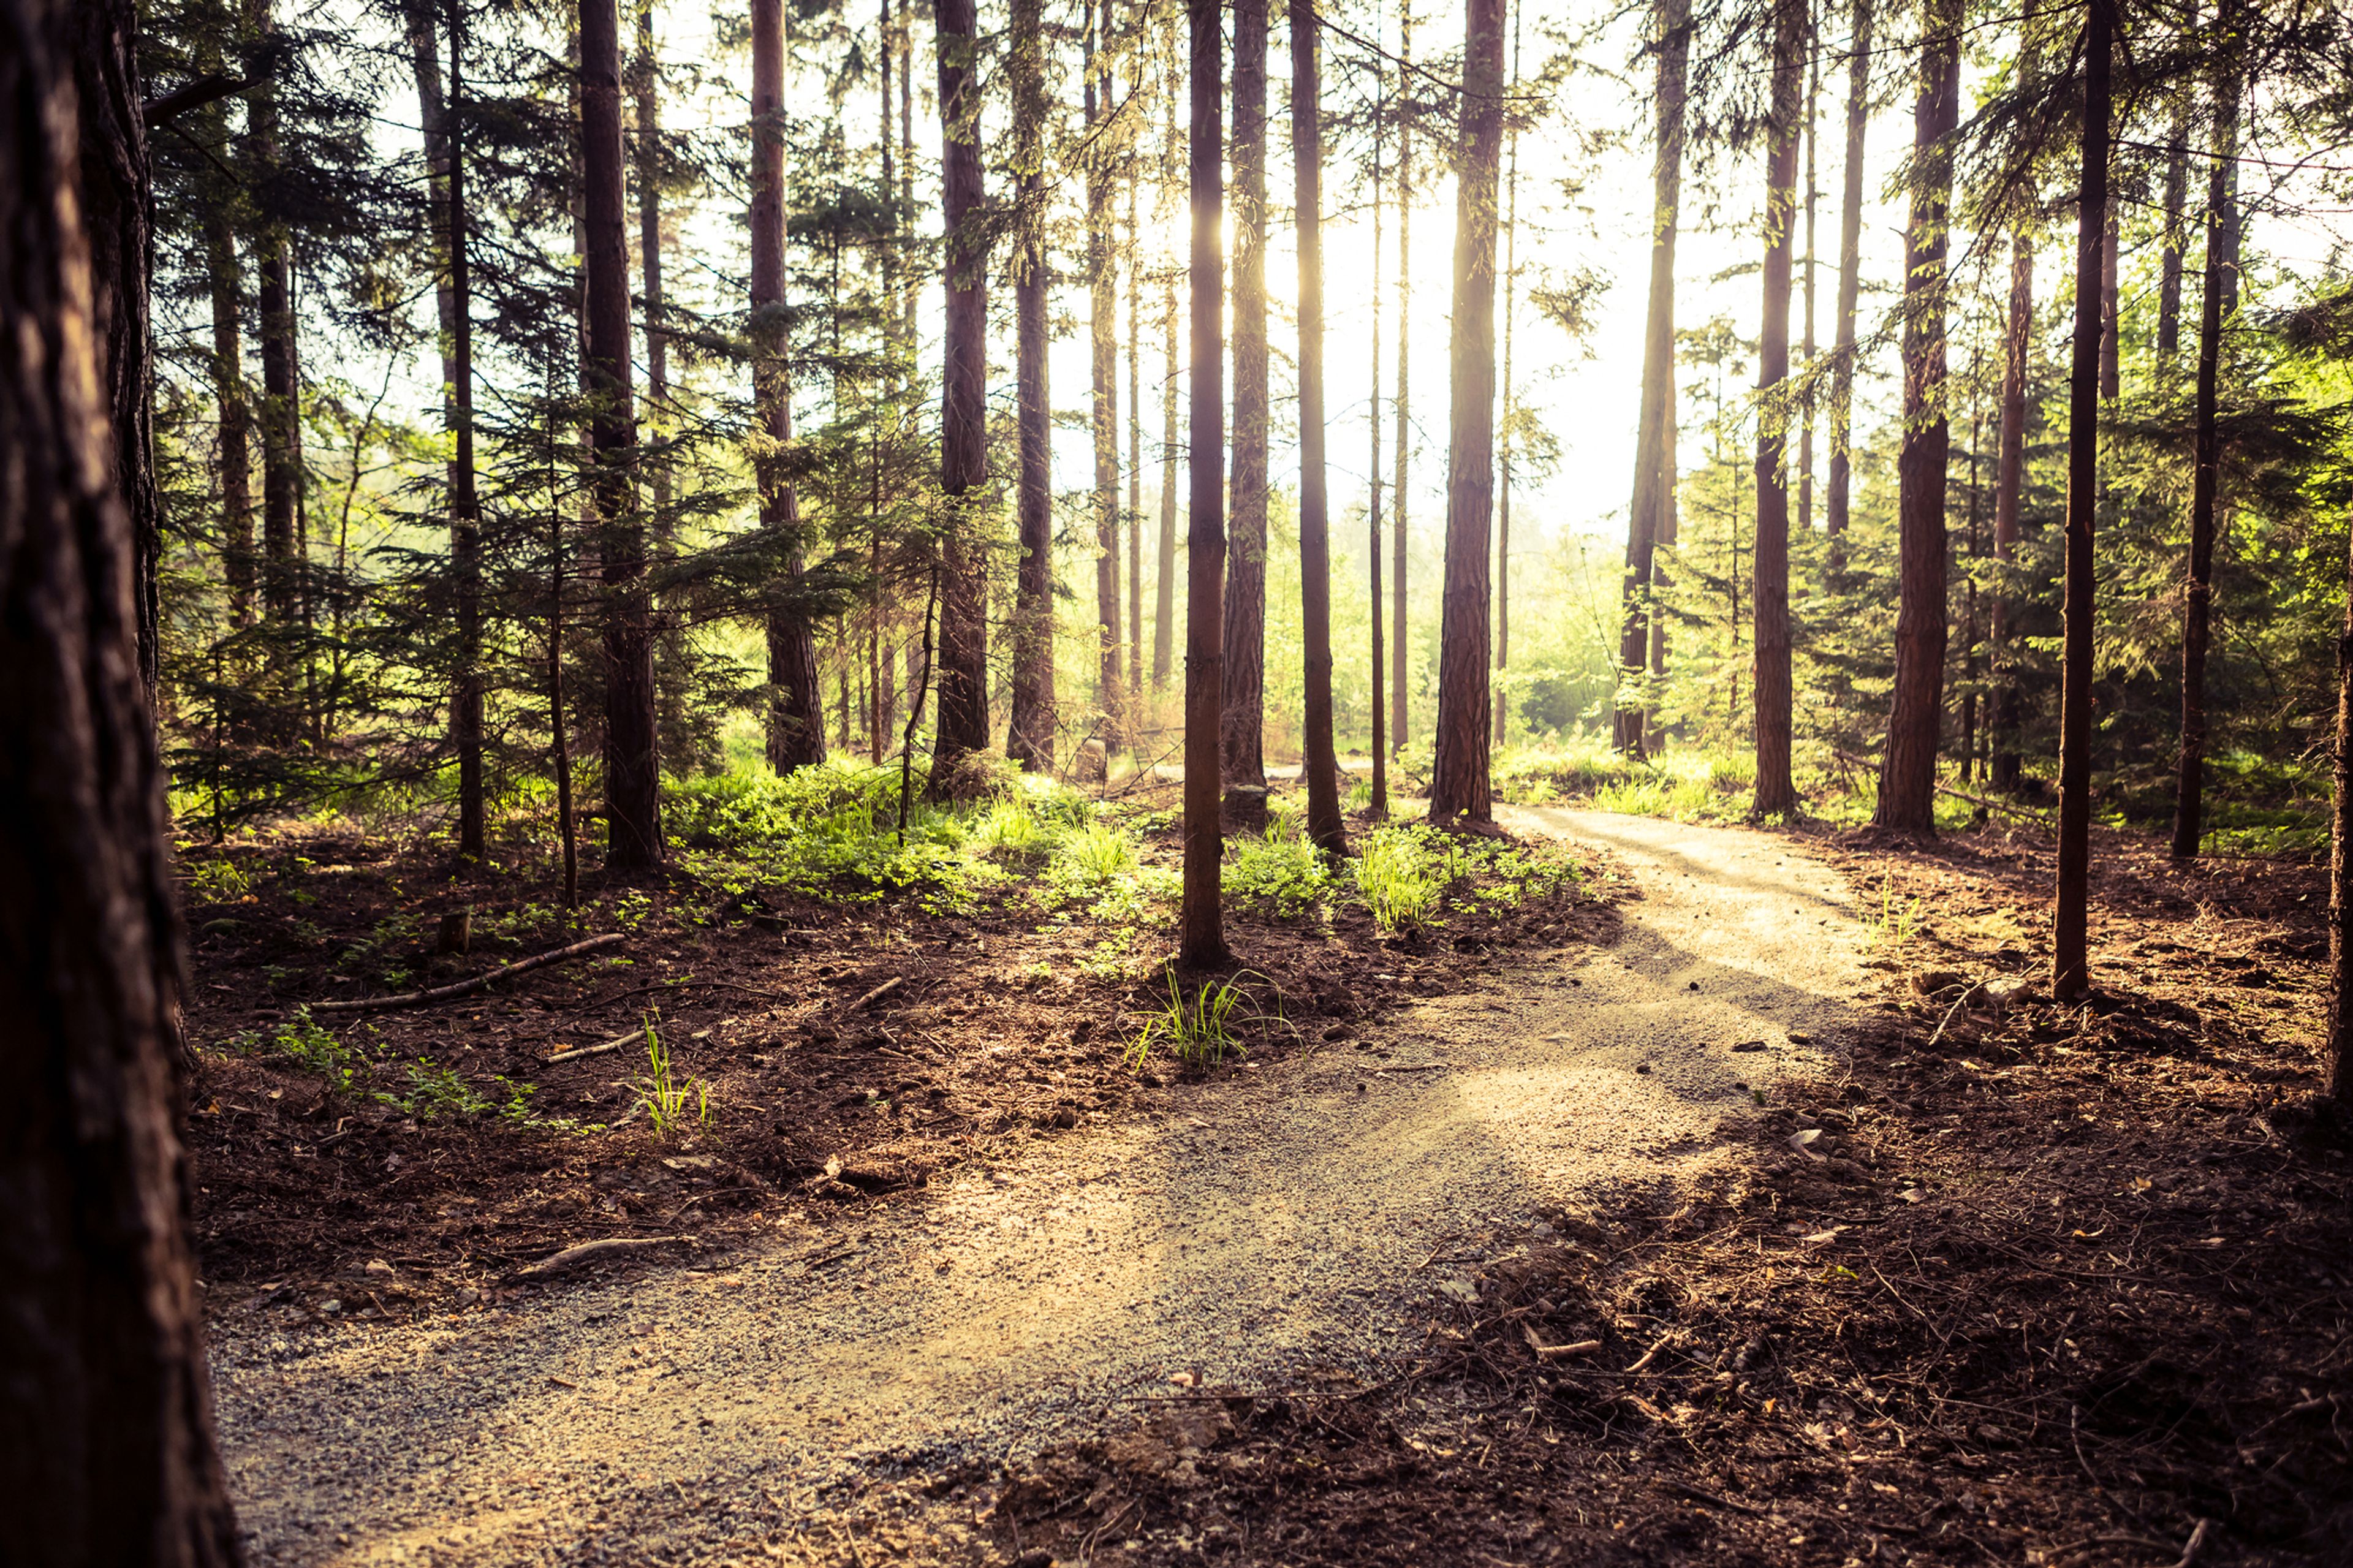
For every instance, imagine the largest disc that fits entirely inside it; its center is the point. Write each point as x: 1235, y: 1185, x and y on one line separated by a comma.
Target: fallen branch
x: 1978, y: 800
x: 602, y: 1047
x: 1557, y: 1352
x: 468, y: 987
x: 877, y: 994
x: 572, y: 1257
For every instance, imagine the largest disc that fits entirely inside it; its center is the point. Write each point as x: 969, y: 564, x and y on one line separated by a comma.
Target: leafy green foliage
x: 1198, y: 1030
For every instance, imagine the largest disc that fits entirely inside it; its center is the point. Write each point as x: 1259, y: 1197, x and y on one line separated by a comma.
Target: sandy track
x: 1274, y: 1223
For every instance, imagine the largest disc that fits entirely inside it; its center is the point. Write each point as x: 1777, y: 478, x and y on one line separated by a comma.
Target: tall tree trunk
x: 1164, y: 581
x: 2340, y: 865
x: 671, y: 672
x: 796, y: 700
x: 2018, y: 343
x: 1850, y: 290
x: 963, y: 406
x: 632, y: 766
x: 1813, y: 196
x: 1103, y: 322
x: 2220, y: 304
x: 106, y: 1435
x: 2071, y: 966
x: 1777, y: 795
x: 1029, y: 737
x: 1245, y: 640
x: 1379, y: 711
x: 1319, y: 759
x: 1134, y: 519
x: 1504, y: 442
x: 1907, y: 773
x: 465, y: 504
x: 2111, y: 357
x: 226, y: 278
x: 1400, y: 704
x: 281, y: 417
x: 1201, y: 936
x: 114, y: 190
x: 1654, y: 457
x: 1461, y: 783
x: 2176, y: 197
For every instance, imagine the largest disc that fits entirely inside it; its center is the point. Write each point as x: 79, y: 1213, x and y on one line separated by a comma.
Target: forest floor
x: 1757, y: 1212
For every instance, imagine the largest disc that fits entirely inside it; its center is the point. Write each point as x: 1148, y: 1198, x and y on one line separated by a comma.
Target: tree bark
x: 2340, y: 865
x: 2070, y: 969
x: 226, y: 279
x: 1245, y: 637
x: 117, y: 213
x: 2018, y: 343
x: 1164, y: 581
x: 1030, y: 736
x: 1201, y: 938
x: 1400, y: 703
x: 107, y: 1453
x: 1461, y: 783
x: 1103, y: 322
x: 963, y: 410
x: 1813, y: 195
x: 1379, y: 711
x: 1654, y: 457
x: 465, y: 504
x: 1134, y: 247
x: 280, y: 414
x: 671, y: 672
x: 1319, y: 752
x: 1504, y: 442
x: 632, y: 767
x: 2177, y: 196
x: 1841, y: 478
x: 1907, y: 773
x: 2221, y: 303
x: 2111, y: 357
x: 1777, y: 795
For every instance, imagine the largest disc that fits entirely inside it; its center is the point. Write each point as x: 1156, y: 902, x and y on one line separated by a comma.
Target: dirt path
x: 1277, y: 1224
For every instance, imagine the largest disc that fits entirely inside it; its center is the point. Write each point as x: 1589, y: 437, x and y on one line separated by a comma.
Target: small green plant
x: 218, y: 882
x: 1097, y: 852
x: 1896, y: 923
x: 660, y: 1097
x: 1395, y: 876
x: 1199, y: 1032
x: 1360, y: 797
x: 1280, y: 869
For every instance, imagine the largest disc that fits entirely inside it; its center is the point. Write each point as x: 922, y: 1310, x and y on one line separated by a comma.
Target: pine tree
x: 1029, y: 738
x: 1777, y: 795
x: 1201, y: 938
x: 1245, y: 596
x: 964, y: 452
x: 1850, y: 290
x: 1319, y: 761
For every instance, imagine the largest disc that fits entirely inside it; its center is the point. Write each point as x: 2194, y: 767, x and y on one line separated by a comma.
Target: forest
x: 1081, y: 781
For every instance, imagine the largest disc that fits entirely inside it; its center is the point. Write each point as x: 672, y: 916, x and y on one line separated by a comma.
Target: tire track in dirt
x: 1279, y: 1221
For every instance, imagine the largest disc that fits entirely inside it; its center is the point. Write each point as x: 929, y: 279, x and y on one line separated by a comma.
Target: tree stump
x: 457, y: 933
x: 1245, y: 809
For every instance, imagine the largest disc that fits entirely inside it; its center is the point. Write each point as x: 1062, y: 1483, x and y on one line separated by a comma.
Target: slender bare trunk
x: 2220, y: 304
x: 1777, y: 795
x: 1029, y: 738
x: 465, y: 503
x: 672, y: 673
x: 1907, y: 773
x: 1163, y: 580
x: 1461, y: 784
x: 964, y: 413
x: 2018, y: 343
x: 2071, y: 966
x: 280, y: 414
x: 1201, y: 937
x: 2340, y: 865
x: 1850, y: 290
x: 2110, y: 369
x: 226, y: 280
x: 1380, y: 801
x: 1813, y: 196
x: 2176, y: 198
x: 1102, y: 324
x: 1504, y: 442
x: 1400, y: 703
x: 1319, y: 759
x: 1245, y: 603
x: 1654, y: 457
x: 1134, y: 518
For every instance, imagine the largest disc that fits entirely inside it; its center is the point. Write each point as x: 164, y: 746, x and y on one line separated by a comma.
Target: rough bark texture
x: 2071, y: 973
x: 1813, y: 134
x: 106, y: 1443
x: 1201, y: 937
x: 2010, y: 477
x: 1654, y: 458
x: 1461, y: 783
x: 2221, y: 303
x: 1029, y: 731
x: 1103, y: 323
x: 1320, y: 758
x: 1907, y: 773
x: 1164, y: 581
x: 632, y: 766
x: 1133, y: 520
x: 280, y: 414
x: 1378, y: 704
x: 114, y: 191
x: 1245, y: 637
x: 672, y: 672
x: 1399, y: 698
x: 1777, y: 795
x: 1841, y: 478
x: 2340, y: 865
x: 2170, y: 243
x: 227, y: 285
x: 963, y: 410
x: 2111, y: 355
x: 465, y: 505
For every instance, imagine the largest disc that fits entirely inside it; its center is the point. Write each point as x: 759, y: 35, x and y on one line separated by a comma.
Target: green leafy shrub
x: 1395, y: 875
x: 1280, y: 869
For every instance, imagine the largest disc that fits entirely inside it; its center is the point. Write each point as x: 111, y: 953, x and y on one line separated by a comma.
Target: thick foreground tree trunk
x: 1319, y: 757
x: 1461, y: 783
x: 1245, y: 636
x: 796, y: 700
x: 1654, y: 458
x: 2221, y: 303
x: 1777, y: 795
x: 632, y: 762
x: 2070, y: 967
x: 2010, y: 478
x: 1201, y: 936
x: 106, y: 1442
x: 1907, y: 773
x: 1029, y: 731
x: 964, y: 405
x: 2340, y: 866
x: 1840, y: 481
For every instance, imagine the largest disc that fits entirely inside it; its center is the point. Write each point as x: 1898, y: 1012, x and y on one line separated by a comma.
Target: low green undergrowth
x: 367, y: 1070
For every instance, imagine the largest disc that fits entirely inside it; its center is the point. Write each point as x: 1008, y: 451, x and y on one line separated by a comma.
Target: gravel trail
x: 1277, y: 1222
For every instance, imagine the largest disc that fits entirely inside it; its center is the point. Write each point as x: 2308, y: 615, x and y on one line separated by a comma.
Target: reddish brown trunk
x: 106, y: 1443
x: 1164, y: 581
x: 1399, y: 698
x: 964, y: 407
x: 1380, y: 801
x: 1460, y: 785
x: 1654, y: 458
x: 1841, y: 478
x: 2177, y: 196
x: 2071, y: 968
x: 1319, y: 760
x: 1201, y: 937
x: 1030, y: 734
x: 2340, y: 865
x: 465, y: 507
x: 1102, y: 324
x: 1245, y: 636
x: 2018, y: 342
x: 1907, y: 773
x: 1777, y: 795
